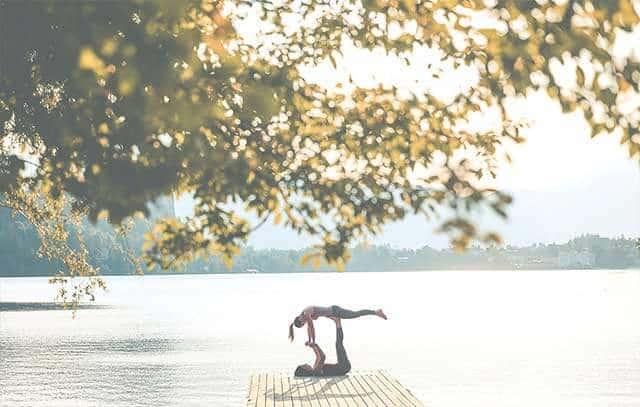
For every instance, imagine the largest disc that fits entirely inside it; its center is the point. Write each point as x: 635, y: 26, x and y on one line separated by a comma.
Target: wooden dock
x: 365, y: 389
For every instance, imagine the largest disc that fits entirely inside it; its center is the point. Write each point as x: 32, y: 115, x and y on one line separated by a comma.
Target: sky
x: 564, y: 183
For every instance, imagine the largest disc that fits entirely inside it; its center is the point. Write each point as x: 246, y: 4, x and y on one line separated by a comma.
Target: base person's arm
x: 311, y: 331
x: 320, y: 357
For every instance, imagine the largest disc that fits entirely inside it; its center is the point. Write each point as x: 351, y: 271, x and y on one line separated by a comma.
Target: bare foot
x: 381, y: 314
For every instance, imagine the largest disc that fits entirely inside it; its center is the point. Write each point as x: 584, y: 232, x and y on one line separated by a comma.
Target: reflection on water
x: 454, y: 338
x: 66, y: 372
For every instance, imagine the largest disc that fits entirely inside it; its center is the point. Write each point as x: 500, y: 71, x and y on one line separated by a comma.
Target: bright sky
x: 559, y: 153
x: 558, y: 150
x: 558, y: 176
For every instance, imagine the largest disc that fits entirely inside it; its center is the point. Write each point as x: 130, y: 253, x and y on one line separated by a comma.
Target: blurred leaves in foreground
x: 116, y: 103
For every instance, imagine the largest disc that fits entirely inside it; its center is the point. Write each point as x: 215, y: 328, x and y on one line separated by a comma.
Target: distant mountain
x: 608, y: 205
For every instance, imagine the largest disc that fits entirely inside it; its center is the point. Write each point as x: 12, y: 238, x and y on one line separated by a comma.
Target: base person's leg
x: 343, y: 361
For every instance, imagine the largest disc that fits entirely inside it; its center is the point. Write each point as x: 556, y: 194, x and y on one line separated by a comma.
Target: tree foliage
x: 122, y: 102
x: 60, y: 240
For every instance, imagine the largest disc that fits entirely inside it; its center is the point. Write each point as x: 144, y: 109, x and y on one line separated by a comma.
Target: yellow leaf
x: 307, y: 257
x: 46, y: 188
x: 409, y: 5
x: 88, y: 60
x: 129, y: 50
x: 228, y: 261
x: 580, y: 78
x: 127, y: 81
x: 109, y: 47
x: 186, y: 74
x: 623, y: 84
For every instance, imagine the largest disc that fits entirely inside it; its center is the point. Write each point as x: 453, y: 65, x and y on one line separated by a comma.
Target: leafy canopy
x: 122, y: 102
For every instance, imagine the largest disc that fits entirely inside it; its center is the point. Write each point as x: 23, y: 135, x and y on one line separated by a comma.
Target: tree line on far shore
x: 584, y: 252
x: 19, y: 245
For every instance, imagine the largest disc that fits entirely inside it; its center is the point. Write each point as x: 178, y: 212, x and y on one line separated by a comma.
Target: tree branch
x: 262, y: 222
x: 568, y: 15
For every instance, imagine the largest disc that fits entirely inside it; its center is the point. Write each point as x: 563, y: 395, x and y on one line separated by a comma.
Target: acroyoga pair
x: 336, y: 313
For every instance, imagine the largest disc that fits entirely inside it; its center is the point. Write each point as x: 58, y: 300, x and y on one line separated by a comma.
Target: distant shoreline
x: 174, y: 273
x: 582, y: 253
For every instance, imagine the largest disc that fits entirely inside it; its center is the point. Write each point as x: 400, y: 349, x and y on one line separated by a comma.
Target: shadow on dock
x: 367, y: 389
x: 313, y: 394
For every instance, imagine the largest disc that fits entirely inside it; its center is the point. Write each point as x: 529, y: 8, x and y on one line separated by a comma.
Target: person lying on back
x: 322, y: 369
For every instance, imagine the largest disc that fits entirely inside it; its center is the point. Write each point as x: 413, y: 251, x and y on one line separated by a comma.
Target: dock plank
x: 374, y: 398
x: 330, y: 391
x: 413, y: 400
x: 365, y: 389
x: 348, y: 398
x: 295, y: 393
x: 384, y: 399
x: 390, y: 396
x: 253, y: 390
x: 276, y: 391
x: 340, y: 397
x: 357, y: 398
x: 261, y: 399
x: 369, y: 397
x: 316, y: 386
x: 287, y: 399
x: 306, y: 402
x: 392, y: 391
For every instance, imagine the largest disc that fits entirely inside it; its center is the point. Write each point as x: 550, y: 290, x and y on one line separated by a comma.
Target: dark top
x: 330, y: 369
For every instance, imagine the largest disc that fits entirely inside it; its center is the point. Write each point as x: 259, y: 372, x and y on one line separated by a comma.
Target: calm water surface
x: 546, y: 338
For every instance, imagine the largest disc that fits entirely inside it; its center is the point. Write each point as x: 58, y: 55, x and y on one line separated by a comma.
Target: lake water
x: 543, y: 338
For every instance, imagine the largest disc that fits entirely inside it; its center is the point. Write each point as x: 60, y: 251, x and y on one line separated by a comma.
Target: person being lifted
x: 311, y: 313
